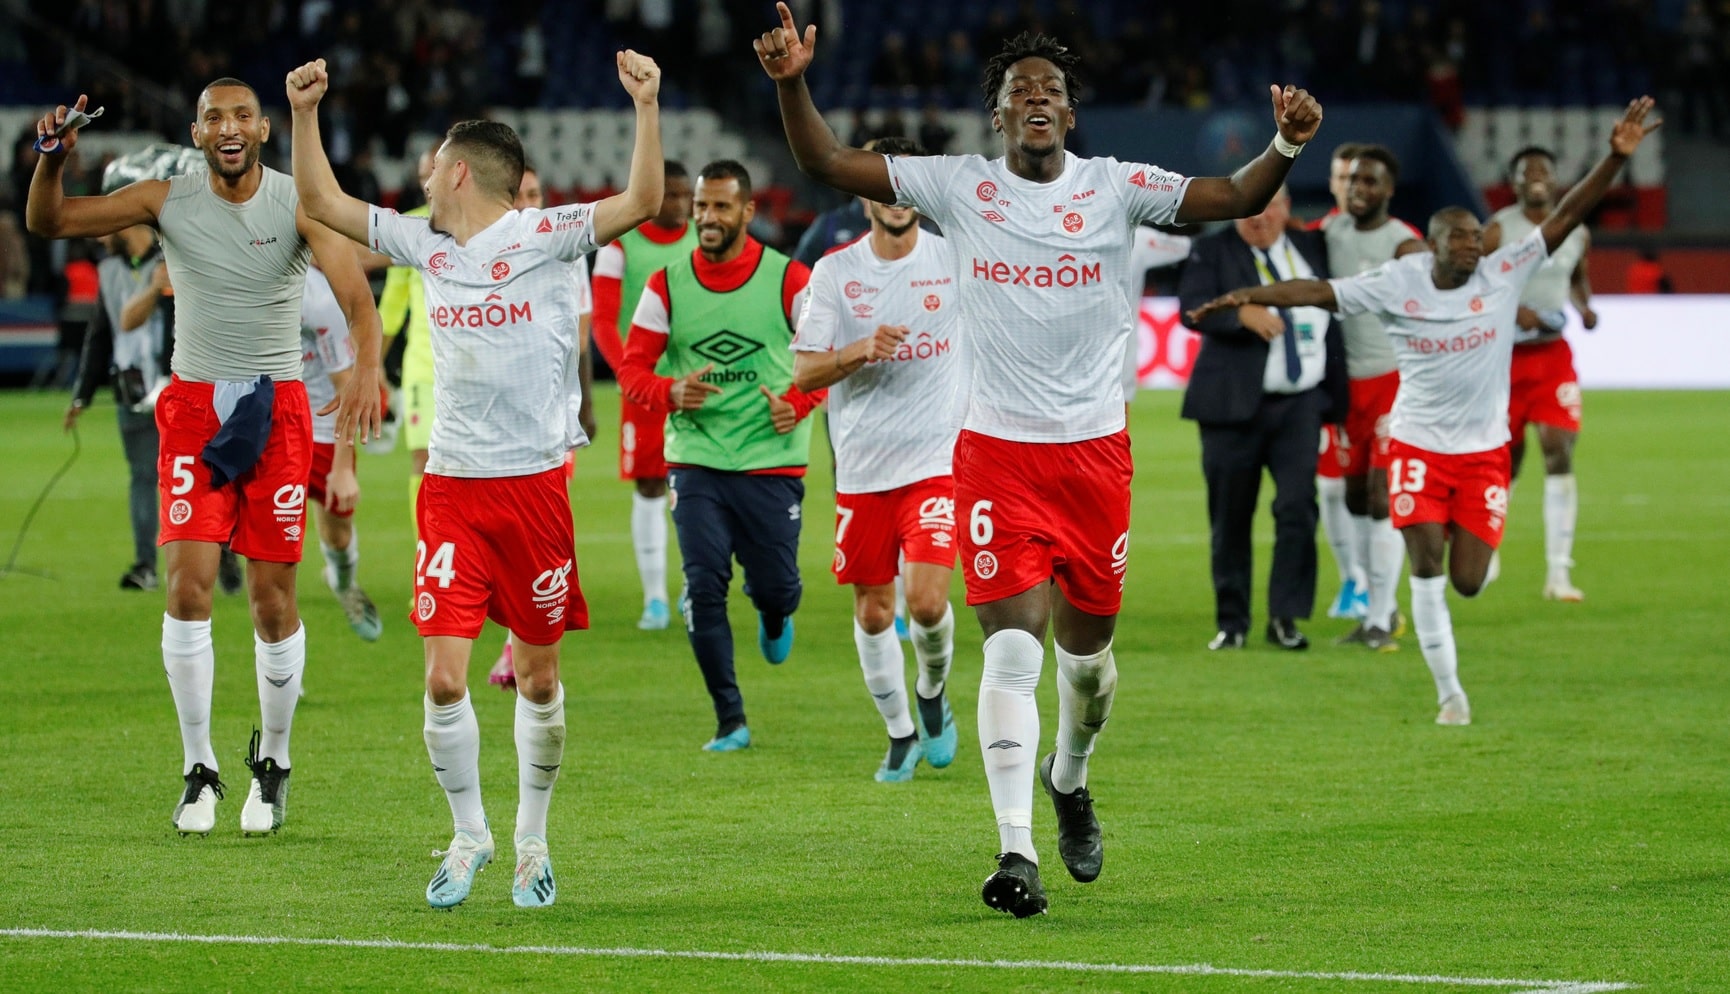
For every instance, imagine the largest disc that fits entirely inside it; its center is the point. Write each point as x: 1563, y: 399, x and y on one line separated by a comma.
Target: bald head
x: 1447, y: 219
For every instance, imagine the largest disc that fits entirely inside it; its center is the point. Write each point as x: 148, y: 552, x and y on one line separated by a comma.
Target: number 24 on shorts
x: 440, y: 568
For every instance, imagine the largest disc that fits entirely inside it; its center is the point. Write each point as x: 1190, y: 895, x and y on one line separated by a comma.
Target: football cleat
x: 1378, y: 640
x: 142, y: 576
x: 777, y: 649
x: 362, y: 615
x: 196, y: 812
x: 1560, y: 589
x: 1346, y: 604
x: 266, y: 806
x: 504, y: 672
x: 936, y: 729
x: 533, y: 886
x: 899, y: 761
x: 466, y: 857
x: 228, y: 573
x: 1078, y: 837
x: 1015, y: 886
x: 733, y: 741
x: 1456, y: 710
x: 656, y: 616
x: 1225, y: 640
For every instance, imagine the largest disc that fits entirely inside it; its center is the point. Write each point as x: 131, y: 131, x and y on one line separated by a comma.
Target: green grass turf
x: 1262, y: 810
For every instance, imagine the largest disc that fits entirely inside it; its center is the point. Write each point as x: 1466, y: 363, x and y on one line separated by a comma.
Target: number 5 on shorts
x: 182, y: 475
x: 439, y: 569
x: 979, y: 526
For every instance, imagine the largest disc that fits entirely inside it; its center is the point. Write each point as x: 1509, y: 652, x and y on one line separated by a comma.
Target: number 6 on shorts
x: 979, y: 526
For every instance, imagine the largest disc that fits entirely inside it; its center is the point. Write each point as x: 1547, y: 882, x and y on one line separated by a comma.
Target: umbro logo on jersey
x: 993, y: 216
x: 862, y: 310
x: 727, y: 347
x: 545, y: 227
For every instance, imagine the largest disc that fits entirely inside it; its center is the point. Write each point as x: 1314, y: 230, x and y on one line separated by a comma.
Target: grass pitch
x: 1296, y: 818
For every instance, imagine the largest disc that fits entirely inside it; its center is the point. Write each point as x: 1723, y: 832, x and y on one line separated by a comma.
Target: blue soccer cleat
x: 902, y: 632
x: 733, y: 741
x: 936, y: 729
x: 775, y: 650
x: 466, y: 857
x: 899, y: 761
x: 656, y: 616
x: 533, y: 886
x: 1351, y: 602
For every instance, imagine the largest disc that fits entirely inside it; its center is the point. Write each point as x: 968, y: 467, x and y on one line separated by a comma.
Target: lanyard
x: 1267, y: 275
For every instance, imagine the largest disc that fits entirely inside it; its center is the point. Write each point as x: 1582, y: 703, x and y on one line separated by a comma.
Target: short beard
x: 897, y: 230
x: 724, y: 247
x: 213, y: 159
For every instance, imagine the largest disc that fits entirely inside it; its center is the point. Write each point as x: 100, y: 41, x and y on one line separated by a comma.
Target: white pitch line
x: 827, y: 959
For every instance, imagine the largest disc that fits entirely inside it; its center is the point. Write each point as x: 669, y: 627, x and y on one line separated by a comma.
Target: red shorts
x: 1366, y: 426
x: 1468, y: 491
x: 1032, y: 512
x: 915, y: 522
x: 262, y: 513
x: 642, y: 442
x: 1331, y: 461
x: 323, y: 455
x: 1543, y: 389
x: 497, y: 548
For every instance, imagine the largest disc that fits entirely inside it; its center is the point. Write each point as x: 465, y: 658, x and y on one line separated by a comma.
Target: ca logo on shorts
x: 180, y: 512
x: 424, y: 606
x: 1404, y: 505
x: 937, y: 513
x: 553, y: 583
x: 985, y: 564
x: 290, y: 497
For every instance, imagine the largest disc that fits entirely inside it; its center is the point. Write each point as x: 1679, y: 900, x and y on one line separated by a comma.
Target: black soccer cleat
x: 1078, y: 840
x: 1015, y: 887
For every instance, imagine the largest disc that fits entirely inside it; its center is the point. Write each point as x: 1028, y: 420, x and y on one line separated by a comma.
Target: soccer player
x: 1544, y: 391
x: 1361, y: 238
x: 235, y: 427
x: 494, y: 510
x: 402, y: 311
x: 1042, y: 467
x: 737, y: 436
x: 531, y: 194
x: 1151, y: 249
x: 622, y: 269
x: 327, y: 356
x: 1353, y: 600
x: 1452, y: 315
x: 879, y: 327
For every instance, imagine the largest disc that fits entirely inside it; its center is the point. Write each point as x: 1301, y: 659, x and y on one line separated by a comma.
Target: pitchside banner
x: 1669, y: 342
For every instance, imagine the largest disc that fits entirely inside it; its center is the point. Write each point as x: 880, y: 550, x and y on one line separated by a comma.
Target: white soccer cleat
x: 533, y: 886
x: 1495, y: 569
x: 196, y: 812
x: 1456, y: 710
x: 1559, y: 588
x: 466, y: 857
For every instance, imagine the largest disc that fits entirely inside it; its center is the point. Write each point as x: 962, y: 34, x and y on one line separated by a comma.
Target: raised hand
x: 306, y: 85
x: 783, y: 54
x: 781, y: 412
x: 1295, y: 113
x: 689, y: 391
x: 49, y: 127
x: 1625, y: 137
x: 639, y: 75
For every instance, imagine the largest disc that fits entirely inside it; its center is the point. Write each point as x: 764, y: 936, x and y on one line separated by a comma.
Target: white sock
x: 453, y: 743
x: 885, y: 668
x: 1561, y: 509
x: 540, y: 751
x: 1436, y: 633
x: 1361, y: 528
x: 1085, y: 687
x: 934, y: 648
x: 190, y: 660
x: 1336, y: 522
x: 649, y: 538
x: 1009, y: 733
x: 340, y: 564
x: 1387, y: 557
x: 279, y: 666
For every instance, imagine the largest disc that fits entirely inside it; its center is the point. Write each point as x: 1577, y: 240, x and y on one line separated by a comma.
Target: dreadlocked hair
x: 1028, y: 45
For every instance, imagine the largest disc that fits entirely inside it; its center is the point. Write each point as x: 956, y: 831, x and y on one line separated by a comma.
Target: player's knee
x: 1092, y: 674
x: 652, y: 488
x: 927, y: 607
x: 1013, y: 660
x: 188, y: 598
x: 1559, y: 462
x: 873, y: 615
x: 446, y: 687
x: 539, y: 686
x: 1469, y: 585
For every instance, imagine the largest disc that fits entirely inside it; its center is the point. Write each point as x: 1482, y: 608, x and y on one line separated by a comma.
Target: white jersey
x: 326, y: 349
x: 1350, y: 252
x: 892, y: 422
x: 1547, y: 293
x: 502, y: 317
x: 1153, y: 249
x: 580, y: 286
x: 1454, y: 346
x: 1042, y: 269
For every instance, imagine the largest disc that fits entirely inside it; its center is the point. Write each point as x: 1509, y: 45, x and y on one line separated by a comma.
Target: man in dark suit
x: 1263, y: 384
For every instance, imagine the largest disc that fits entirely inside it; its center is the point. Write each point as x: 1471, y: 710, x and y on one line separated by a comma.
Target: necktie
x: 1293, y: 365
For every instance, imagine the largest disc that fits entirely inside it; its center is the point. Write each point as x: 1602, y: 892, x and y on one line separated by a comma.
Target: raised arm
x: 641, y: 198
x: 1289, y: 293
x: 1624, y: 139
x: 50, y: 213
x: 321, y: 197
x: 785, y: 56
x: 1247, y: 192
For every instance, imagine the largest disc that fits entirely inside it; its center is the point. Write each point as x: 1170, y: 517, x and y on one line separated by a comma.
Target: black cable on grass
x: 24, y: 529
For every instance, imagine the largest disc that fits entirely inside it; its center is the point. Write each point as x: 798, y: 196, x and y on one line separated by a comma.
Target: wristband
x: 1288, y: 149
